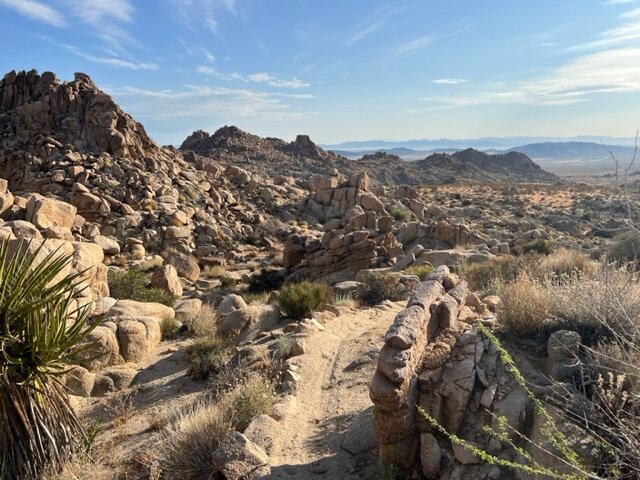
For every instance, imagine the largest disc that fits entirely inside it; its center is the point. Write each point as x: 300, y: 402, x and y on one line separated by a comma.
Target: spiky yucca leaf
x: 40, y: 338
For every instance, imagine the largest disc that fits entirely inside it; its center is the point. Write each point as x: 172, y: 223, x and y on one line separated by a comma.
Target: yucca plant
x: 40, y: 337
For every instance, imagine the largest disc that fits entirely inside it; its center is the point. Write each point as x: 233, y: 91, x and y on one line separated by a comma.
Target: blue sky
x: 345, y: 69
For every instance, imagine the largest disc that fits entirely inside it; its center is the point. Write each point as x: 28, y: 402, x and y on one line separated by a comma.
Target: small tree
x: 40, y: 334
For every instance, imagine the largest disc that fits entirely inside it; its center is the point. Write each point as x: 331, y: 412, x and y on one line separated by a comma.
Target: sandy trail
x: 326, y: 431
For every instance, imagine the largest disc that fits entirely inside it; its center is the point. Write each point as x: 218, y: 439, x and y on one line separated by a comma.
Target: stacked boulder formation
x: 358, y: 231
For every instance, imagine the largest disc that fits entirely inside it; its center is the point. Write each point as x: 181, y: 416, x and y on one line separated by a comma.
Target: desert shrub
x: 282, y: 346
x: 266, y: 281
x: 190, y: 440
x: 601, y: 307
x: 345, y: 299
x: 208, y: 355
x: 169, y: 327
x: 378, y: 287
x: 300, y: 300
x: 400, y: 214
x: 421, y: 271
x: 253, y: 397
x: 625, y: 247
x: 492, y: 277
x: 227, y: 283
x: 526, y: 304
x: 563, y: 266
x: 205, y: 323
x: 132, y: 284
x: 39, y: 341
x: 261, y: 298
x: 539, y: 245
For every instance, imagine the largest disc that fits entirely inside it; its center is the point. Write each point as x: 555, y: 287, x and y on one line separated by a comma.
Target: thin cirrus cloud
x: 112, y: 61
x: 201, y: 101
x: 37, y: 11
x: 571, y: 83
x: 195, y: 14
x: 385, y: 17
x: 449, y: 81
x: 260, y: 77
x: 627, y: 31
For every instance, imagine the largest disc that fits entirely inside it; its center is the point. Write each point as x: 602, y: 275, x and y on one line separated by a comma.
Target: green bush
x: 266, y: 281
x: 378, y: 287
x: 625, y: 247
x: 208, y: 355
x: 300, y: 300
x: 539, y: 245
x: 421, y: 271
x: 132, y: 284
x: 169, y: 328
x: 40, y: 338
x: 400, y: 214
x: 491, y: 277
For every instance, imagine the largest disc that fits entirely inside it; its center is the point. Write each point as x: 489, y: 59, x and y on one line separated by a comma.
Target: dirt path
x: 326, y: 429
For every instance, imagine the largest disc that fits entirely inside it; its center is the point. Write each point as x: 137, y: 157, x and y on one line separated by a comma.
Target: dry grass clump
x: 526, y: 305
x: 189, y: 441
x: 605, y: 305
x: 345, y: 299
x: 490, y: 278
x: 300, y: 300
x: 169, y: 328
x: 564, y: 266
x: 205, y: 323
x: 83, y: 468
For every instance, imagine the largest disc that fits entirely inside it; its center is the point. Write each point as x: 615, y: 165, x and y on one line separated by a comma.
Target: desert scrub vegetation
x: 625, y: 247
x: 526, y: 305
x: 41, y: 336
x: 132, y: 284
x: 564, y: 265
x: 491, y: 277
x: 377, y: 287
x: 300, y: 300
x: 421, y: 271
x: 169, y: 328
x: 539, y: 245
x: 204, y: 323
x: 190, y: 440
x: 208, y: 355
x: 400, y: 214
x: 345, y: 299
x: 266, y: 281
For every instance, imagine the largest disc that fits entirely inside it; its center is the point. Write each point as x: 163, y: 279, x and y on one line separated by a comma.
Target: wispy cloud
x: 196, y: 14
x: 112, y: 61
x: 423, y: 41
x: 449, y: 81
x: 628, y: 30
x: 415, y: 44
x: 384, y: 17
x: 618, y: 2
x: 259, y: 77
x: 610, y: 71
x: 201, y: 101
x: 36, y: 11
x: 197, y: 50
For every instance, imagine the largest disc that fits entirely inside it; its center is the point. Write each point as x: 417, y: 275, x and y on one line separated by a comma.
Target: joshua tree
x: 40, y: 334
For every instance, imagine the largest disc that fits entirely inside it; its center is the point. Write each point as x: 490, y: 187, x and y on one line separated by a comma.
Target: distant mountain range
x: 555, y: 156
x: 484, y: 143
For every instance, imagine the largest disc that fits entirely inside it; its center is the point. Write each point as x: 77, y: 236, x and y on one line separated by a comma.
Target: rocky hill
x: 230, y: 145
